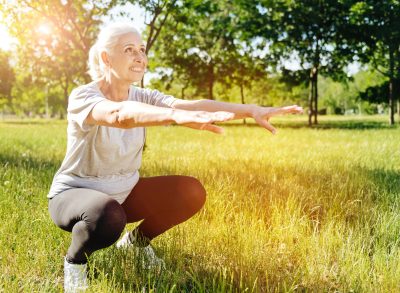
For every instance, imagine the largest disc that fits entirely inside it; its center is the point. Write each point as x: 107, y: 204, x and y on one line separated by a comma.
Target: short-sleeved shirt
x: 106, y: 159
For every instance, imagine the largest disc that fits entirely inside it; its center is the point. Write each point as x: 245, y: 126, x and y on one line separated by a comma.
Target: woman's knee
x: 194, y: 192
x: 109, y: 220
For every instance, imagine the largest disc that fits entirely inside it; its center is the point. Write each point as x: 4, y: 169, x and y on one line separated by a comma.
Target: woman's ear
x: 105, y: 58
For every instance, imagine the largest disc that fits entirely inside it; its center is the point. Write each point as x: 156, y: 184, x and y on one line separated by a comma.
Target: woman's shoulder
x: 88, y: 86
x: 86, y: 90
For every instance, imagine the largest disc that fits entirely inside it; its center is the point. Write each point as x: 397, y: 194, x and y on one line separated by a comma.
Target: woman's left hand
x: 262, y: 114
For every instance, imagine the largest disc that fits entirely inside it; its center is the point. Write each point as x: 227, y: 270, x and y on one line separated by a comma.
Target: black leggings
x: 96, y: 220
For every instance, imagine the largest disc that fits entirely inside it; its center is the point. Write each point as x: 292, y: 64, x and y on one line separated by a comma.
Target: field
x: 305, y: 210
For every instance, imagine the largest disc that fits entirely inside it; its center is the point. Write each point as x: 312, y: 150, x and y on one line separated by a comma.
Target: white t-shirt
x: 102, y: 158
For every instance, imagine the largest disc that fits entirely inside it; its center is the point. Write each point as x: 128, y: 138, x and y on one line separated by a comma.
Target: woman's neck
x: 114, y: 90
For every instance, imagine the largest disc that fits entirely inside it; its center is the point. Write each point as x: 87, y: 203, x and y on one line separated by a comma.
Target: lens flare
x: 44, y: 29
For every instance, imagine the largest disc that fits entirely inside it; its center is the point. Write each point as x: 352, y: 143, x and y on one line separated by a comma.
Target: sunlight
x: 44, y: 29
x: 6, y: 39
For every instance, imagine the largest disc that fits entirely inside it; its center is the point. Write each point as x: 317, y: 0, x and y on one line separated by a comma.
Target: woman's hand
x: 202, y: 120
x: 262, y: 114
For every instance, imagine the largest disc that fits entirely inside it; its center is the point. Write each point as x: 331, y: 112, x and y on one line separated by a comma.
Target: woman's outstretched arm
x: 129, y: 114
x: 260, y: 114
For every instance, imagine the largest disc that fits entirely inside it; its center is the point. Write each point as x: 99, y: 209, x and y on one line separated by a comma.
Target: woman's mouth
x: 136, y: 69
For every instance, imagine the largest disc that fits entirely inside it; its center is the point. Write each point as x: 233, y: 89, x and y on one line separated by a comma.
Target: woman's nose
x: 138, y: 58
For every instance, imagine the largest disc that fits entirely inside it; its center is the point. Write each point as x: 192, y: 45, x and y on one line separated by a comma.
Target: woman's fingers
x: 262, y: 115
x: 212, y: 128
x: 266, y: 125
x: 205, y: 126
x: 286, y: 110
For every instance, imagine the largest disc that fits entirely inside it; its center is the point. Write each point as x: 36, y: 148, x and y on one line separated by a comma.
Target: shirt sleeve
x: 154, y: 97
x: 80, y: 103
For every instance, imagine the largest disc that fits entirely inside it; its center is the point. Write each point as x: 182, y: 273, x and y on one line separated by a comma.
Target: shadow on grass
x: 387, y: 183
x: 41, y: 170
x: 295, y: 124
x: 323, y: 125
x: 34, y: 122
x: 18, y: 161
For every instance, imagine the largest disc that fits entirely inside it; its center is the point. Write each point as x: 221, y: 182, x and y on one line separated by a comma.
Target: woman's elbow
x: 122, y: 121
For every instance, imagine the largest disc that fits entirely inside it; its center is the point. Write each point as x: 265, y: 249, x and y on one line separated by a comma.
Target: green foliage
x: 341, y: 98
x: 374, y: 29
x: 377, y: 94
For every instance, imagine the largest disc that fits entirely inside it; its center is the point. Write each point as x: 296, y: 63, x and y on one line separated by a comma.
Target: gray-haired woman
x: 97, y: 189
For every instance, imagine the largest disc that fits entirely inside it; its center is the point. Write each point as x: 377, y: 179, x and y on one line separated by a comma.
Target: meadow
x: 309, y: 209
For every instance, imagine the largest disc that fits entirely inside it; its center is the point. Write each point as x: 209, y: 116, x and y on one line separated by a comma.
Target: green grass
x: 306, y: 210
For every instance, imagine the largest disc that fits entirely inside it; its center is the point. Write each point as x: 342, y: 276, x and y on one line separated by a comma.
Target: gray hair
x: 108, y: 38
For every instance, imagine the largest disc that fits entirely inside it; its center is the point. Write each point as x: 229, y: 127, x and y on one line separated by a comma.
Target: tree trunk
x: 396, y: 90
x: 242, y: 98
x: 211, y: 82
x: 47, y: 102
x: 311, y: 99
x: 315, y: 95
x: 66, y: 92
x: 315, y: 79
x: 391, y: 102
x: 391, y: 81
x: 183, y: 92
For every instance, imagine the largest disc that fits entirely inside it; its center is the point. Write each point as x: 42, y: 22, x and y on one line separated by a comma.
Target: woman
x: 97, y: 189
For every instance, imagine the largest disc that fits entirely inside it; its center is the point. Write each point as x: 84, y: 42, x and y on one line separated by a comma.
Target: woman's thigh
x: 73, y: 205
x: 153, y: 195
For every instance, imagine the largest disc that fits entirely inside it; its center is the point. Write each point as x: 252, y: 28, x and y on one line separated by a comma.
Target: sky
x: 135, y: 12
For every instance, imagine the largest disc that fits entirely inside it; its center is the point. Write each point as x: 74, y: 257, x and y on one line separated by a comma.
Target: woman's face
x: 128, y: 60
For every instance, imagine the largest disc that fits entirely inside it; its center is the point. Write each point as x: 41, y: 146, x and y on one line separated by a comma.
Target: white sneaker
x: 124, y: 242
x: 149, y: 258
x: 75, y: 278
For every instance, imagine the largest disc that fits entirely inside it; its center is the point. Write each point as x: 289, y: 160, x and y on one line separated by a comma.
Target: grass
x: 305, y: 210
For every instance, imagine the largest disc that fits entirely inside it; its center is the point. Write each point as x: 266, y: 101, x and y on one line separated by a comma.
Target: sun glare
x: 44, y: 29
x: 5, y: 38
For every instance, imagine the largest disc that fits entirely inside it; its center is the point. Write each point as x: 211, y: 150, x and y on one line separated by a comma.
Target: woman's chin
x: 135, y: 79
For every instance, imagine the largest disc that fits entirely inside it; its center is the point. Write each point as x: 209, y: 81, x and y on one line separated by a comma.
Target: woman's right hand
x: 202, y: 120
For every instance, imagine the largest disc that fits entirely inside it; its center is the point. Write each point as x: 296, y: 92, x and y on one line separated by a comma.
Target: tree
x: 305, y: 30
x: 54, y: 38
x: 373, y: 31
x: 202, y: 46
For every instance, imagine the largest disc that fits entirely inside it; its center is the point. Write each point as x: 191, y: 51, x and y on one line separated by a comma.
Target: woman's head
x: 118, y: 51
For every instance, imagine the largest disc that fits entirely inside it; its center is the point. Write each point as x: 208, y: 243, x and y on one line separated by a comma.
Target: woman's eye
x: 143, y: 50
x: 128, y: 50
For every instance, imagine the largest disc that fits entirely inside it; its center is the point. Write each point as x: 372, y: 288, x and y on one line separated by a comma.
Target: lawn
x: 309, y: 209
